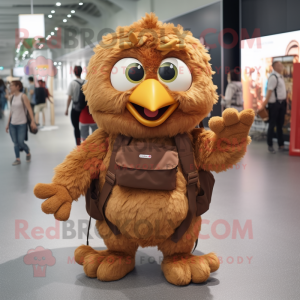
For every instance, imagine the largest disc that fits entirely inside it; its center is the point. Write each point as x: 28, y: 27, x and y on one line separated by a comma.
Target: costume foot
x: 106, y: 265
x: 115, y: 266
x: 81, y: 252
x: 181, y: 269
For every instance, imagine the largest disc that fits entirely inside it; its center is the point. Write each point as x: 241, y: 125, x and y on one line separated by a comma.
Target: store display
x: 257, y: 56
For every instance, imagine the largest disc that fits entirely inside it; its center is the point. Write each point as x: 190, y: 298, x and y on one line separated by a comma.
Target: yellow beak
x: 152, y: 96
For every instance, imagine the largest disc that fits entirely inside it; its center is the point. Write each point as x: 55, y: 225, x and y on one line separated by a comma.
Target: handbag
x: 264, y: 114
x: 33, y: 131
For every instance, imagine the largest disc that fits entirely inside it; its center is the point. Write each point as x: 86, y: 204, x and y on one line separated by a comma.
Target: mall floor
x: 260, y: 194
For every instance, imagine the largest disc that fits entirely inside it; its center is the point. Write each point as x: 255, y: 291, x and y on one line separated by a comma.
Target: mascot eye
x: 135, y: 73
x: 126, y: 74
x: 167, y: 72
x: 174, y: 73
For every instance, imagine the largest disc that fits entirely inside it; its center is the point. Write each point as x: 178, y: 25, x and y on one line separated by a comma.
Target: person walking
x: 73, y: 95
x: 17, y: 121
x: 234, y: 92
x: 276, y: 101
x: 2, y: 97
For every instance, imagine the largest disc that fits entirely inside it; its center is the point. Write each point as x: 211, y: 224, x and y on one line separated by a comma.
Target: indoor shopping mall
x: 149, y: 149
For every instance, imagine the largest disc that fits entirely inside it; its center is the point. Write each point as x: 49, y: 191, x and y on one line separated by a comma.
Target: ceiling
x: 85, y: 15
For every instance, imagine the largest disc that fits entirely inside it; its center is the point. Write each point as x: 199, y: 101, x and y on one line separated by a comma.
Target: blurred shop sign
x: 31, y: 26
x: 18, y: 72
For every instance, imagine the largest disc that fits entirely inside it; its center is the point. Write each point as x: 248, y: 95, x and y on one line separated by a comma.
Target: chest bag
x: 152, y: 166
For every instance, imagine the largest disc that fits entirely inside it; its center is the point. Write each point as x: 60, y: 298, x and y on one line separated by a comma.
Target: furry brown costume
x: 214, y: 150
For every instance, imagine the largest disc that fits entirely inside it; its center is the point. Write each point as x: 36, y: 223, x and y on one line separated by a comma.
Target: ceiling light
x: 52, y: 11
x: 50, y: 16
x: 69, y: 16
x: 56, y: 28
x: 55, y: 63
x: 58, y: 4
x: 80, y: 3
x: 59, y: 63
x: 65, y: 20
x: 52, y: 33
x: 73, y: 11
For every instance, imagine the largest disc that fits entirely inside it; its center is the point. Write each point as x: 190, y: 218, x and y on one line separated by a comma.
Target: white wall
x: 164, y: 9
x: 168, y: 9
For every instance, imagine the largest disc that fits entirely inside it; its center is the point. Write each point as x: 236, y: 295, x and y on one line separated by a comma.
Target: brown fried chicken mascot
x: 146, y: 170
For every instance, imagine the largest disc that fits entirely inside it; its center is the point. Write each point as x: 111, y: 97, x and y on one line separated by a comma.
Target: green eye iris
x: 135, y: 72
x: 167, y: 72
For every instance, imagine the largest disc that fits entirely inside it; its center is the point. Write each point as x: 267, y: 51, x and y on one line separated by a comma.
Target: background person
x: 41, y: 94
x: 234, y: 92
x: 17, y: 121
x: 73, y: 93
x: 3, y: 92
x: 276, y: 101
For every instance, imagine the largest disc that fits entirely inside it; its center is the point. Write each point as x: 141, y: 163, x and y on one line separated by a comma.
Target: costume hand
x: 232, y: 125
x: 59, y: 202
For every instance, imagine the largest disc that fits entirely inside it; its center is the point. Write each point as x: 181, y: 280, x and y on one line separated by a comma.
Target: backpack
x: 237, y: 98
x: 81, y: 103
x: 152, y: 166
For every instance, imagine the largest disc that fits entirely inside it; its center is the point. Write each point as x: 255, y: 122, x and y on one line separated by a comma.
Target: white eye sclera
x: 126, y: 74
x: 174, y: 73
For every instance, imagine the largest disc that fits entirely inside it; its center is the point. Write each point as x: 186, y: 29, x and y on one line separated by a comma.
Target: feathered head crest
x: 166, y: 45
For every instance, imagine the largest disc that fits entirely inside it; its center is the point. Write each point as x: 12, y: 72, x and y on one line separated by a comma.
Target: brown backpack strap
x: 186, y: 157
x: 110, y: 180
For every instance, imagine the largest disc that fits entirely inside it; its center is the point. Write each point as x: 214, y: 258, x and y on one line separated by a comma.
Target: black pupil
x: 136, y: 73
x: 166, y: 72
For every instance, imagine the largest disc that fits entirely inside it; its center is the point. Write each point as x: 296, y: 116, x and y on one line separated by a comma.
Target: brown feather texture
x: 147, y: 217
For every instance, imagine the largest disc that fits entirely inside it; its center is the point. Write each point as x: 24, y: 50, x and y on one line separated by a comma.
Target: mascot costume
x: 145, y: 172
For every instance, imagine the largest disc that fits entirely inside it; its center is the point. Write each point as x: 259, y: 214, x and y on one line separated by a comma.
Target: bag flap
x: 147, y: 157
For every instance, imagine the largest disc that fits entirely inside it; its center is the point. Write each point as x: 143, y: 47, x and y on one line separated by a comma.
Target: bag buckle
x: 192, y: 178
x: 110, y: 178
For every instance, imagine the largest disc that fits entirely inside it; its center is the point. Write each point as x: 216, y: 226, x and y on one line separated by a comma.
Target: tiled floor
x: 261, y: 193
